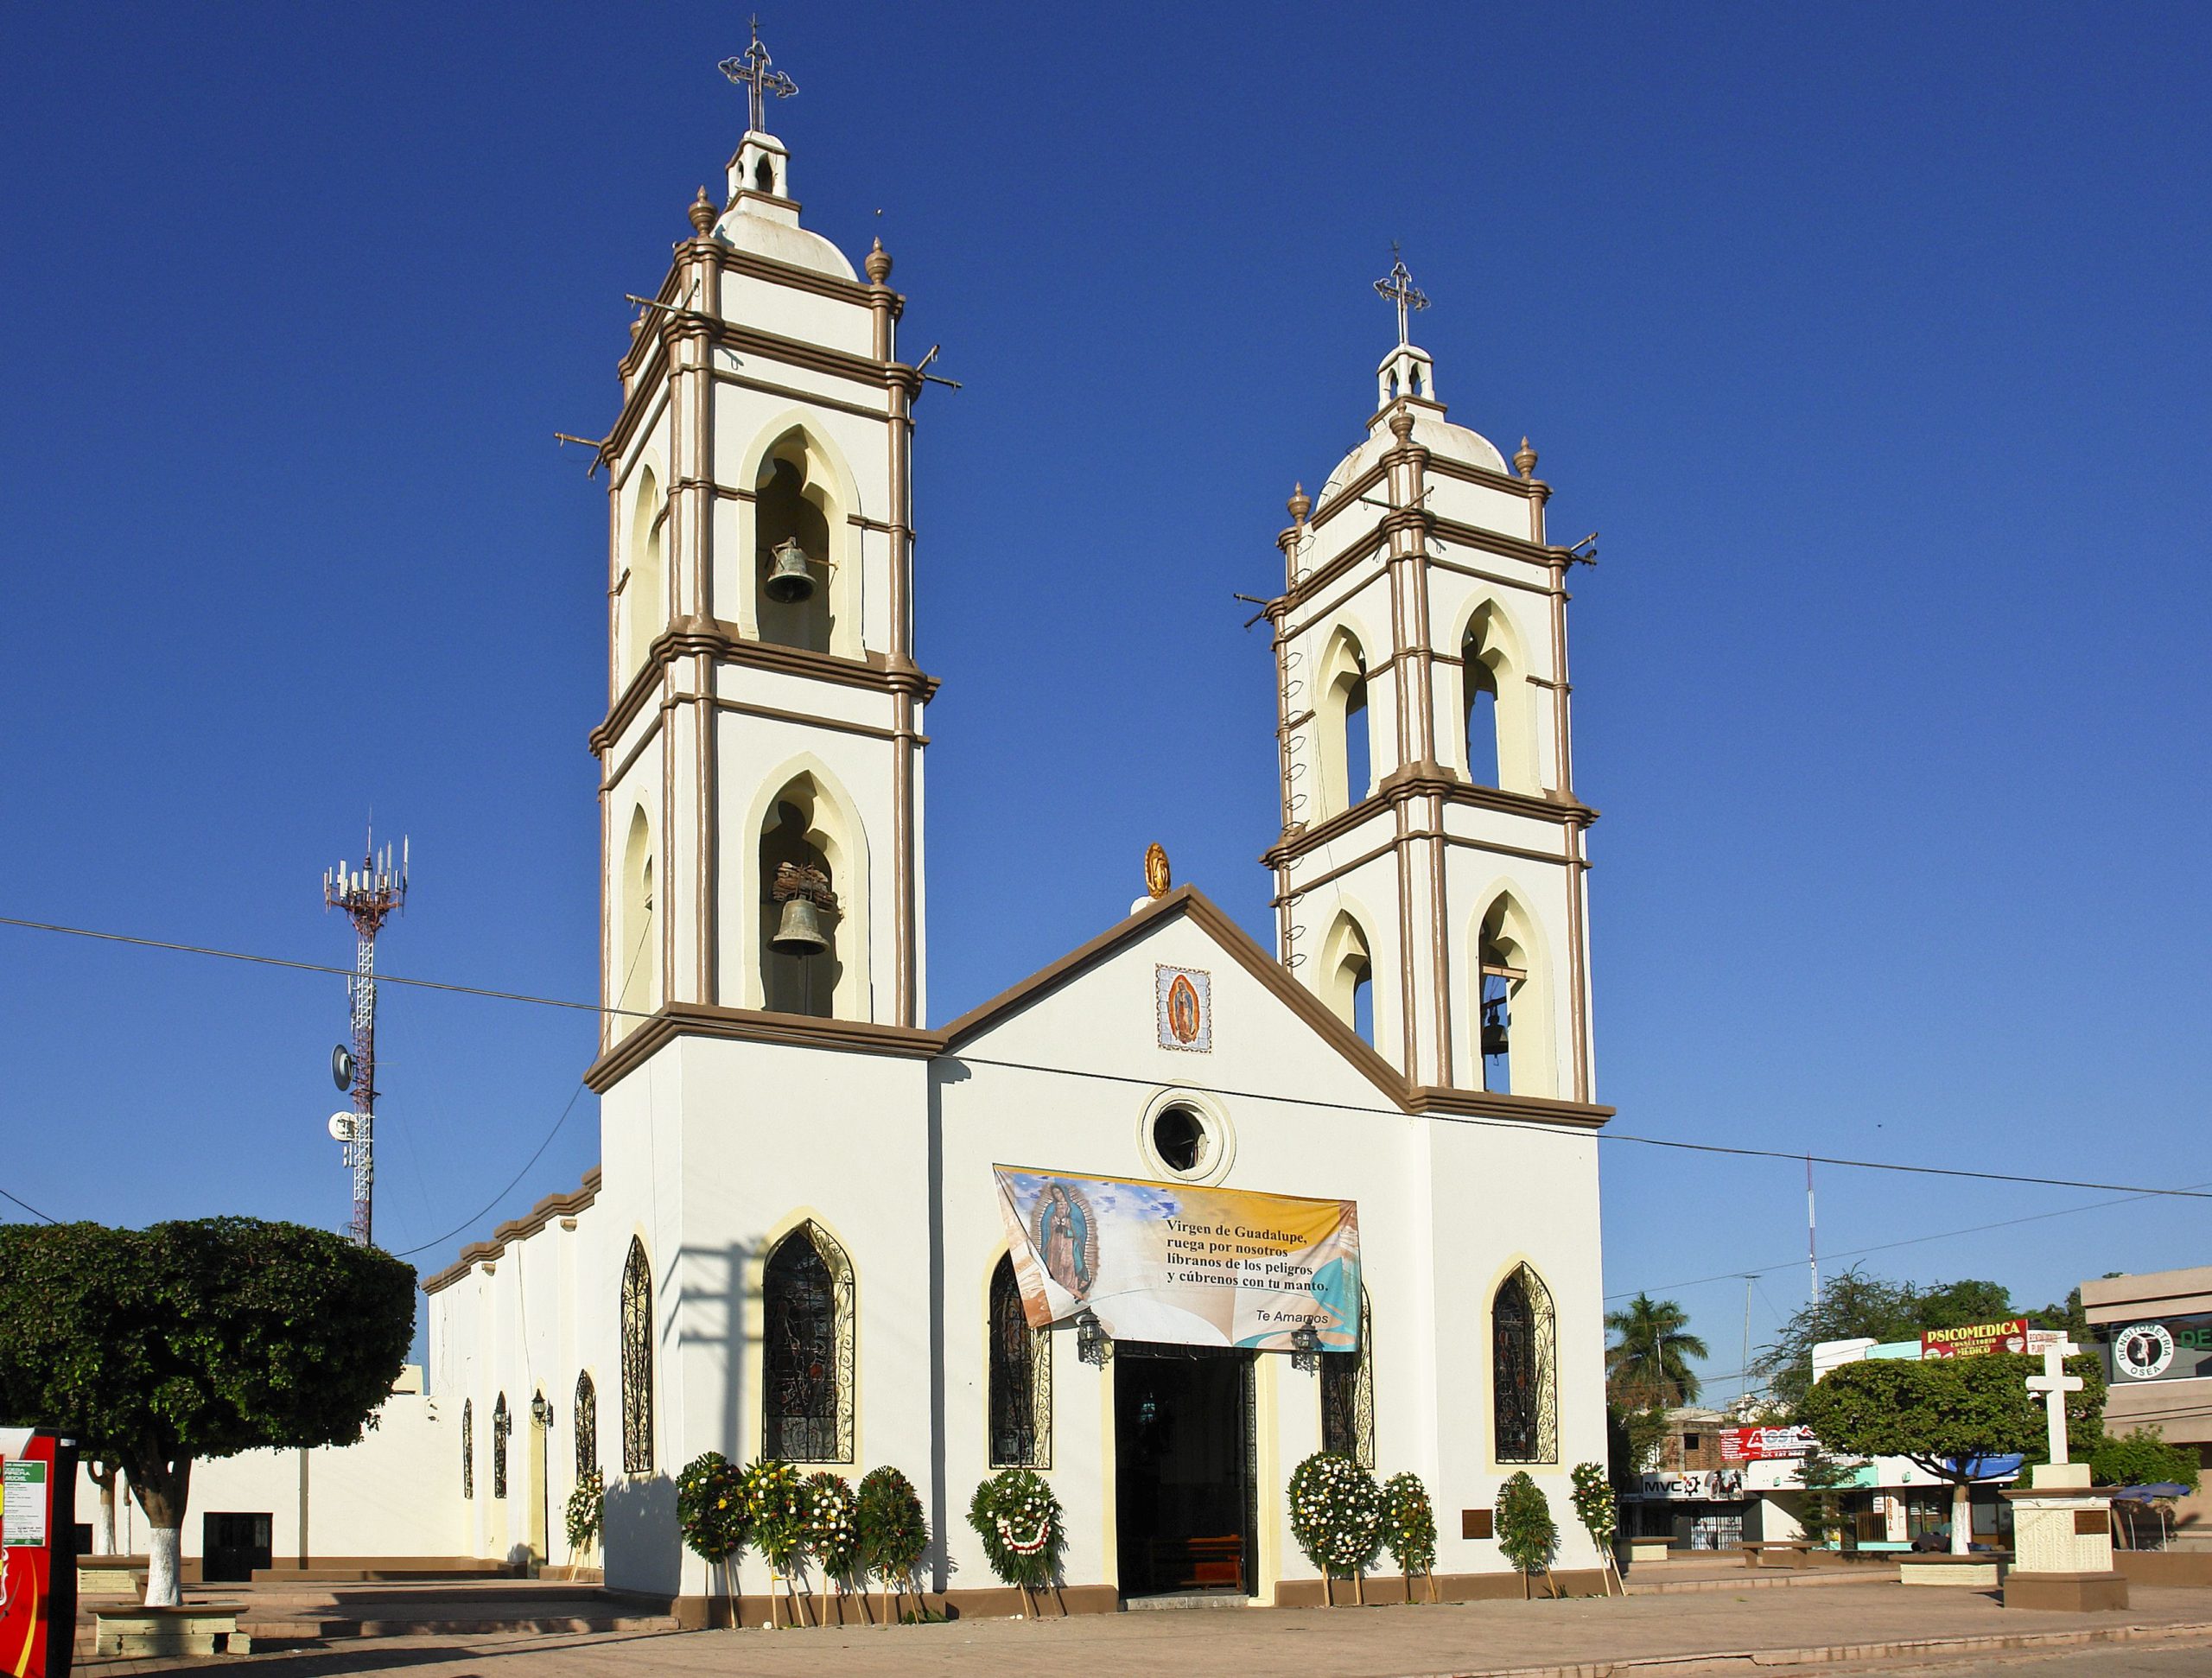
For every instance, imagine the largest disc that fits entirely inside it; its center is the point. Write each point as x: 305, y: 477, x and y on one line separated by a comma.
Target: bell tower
x: 760, y: 761
x: 1429, y: 877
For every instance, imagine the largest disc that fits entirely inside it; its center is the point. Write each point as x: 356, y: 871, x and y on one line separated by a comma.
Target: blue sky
x: 1873, y: 342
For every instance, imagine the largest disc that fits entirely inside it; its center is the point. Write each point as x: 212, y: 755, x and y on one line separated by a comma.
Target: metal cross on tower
x: 754, y: 68
x: 367, y: 895
x: 1398, y: 285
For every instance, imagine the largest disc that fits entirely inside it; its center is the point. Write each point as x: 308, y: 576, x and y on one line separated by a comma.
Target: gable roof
x: 1193, y: 904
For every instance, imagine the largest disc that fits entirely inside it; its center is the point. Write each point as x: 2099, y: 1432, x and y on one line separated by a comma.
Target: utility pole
x: 1745, y: 1378
x: 1812, y: 1246
x: 367, y: 895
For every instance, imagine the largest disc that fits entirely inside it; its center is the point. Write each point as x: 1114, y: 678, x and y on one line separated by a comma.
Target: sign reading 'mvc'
x: 1180, y: 1263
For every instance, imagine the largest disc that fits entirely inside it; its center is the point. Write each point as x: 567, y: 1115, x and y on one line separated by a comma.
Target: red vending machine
x: 38, y: 1552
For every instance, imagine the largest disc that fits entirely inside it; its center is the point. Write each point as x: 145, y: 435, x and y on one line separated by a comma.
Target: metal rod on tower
x: 1812, y: 1245
x: 367, y: 895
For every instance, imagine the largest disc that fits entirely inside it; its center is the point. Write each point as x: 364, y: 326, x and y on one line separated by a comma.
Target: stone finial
x: 878, y: 264
x: 1402, y: 426
x: 703, y: 212
x: 1300, y: 503
x: 1524, y: 460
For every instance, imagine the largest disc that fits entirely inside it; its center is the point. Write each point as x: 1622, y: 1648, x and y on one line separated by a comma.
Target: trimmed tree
x: 2143, y: 1458
x: 1526, y: 1534
x: 161, y: 1346
x: 1945, y: 1415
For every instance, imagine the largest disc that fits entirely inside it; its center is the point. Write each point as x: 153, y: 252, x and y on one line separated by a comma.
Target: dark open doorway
x: 232, y: 1546
x: 1186, y: 1473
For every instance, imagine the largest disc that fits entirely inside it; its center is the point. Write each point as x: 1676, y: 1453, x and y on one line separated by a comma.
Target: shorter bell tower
x: 1429, y: 877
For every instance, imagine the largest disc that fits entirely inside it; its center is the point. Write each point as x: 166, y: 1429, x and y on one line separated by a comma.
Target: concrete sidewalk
x: 1585, y: 1637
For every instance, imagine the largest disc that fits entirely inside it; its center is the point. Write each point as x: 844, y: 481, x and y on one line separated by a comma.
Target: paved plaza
x: 1842, y: 1626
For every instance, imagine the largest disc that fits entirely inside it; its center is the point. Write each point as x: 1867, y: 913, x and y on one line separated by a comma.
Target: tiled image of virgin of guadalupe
x: 1067, y: 1238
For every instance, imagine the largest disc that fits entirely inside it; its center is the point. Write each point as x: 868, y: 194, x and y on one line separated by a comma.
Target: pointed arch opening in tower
x: 637, y: 952
x: 1347, y: 772
x: 795, y: 515
x: 645, y: 596
x: 1480, y: 676
x: 1514, y: 1022
x: 1348, y: 976
x: 1499, y: 709
x: 803, y: 926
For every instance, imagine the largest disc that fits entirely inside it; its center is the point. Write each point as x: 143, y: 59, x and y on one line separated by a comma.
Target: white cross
x: 1398, y: 286
x: 2053, y: 1384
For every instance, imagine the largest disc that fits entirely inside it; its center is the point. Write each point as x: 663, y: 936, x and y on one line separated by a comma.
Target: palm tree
x: 1649, y: 1365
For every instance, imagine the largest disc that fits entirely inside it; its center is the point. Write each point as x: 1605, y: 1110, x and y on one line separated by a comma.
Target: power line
x: 2131, y: 1190
x: 319, y: 967
x: 28, y: 1207
x: 1886, y: 1246
x: 458, y: 1228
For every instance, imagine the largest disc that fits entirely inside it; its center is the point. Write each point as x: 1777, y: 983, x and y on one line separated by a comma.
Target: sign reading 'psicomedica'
x: 1183, y: 1264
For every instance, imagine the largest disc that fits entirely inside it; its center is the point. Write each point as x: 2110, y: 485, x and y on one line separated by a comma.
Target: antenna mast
x: 367, y: 895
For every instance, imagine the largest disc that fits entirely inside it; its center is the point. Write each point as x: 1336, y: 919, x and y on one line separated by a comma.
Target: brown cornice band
x: 719, y: 638
x: 678, y: 1019
x: 1402, y: 786
x: 518, y: 1229
x: 1487, y: 1104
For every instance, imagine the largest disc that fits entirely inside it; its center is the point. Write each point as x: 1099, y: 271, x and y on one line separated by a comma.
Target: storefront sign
x: 1976, y: 1339
x: 2160, y: 1349
x: 1189, y: 1265
x: 1718, y: 1484
x: 1752, y: 1445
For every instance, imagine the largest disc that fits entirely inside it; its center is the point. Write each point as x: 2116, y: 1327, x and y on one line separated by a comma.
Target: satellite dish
x: 341, y: 1125
x: 341, y: 1067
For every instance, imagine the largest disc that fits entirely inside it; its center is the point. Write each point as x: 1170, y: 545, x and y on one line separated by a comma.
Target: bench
x: 197, y: 1628
x: 1779, y: 1553
x: 1641, y: 1550
x: 110, y: 1576
x: 1978, y: 1570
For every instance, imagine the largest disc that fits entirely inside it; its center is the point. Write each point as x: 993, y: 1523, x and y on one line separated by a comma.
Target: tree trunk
x: 161, y: 1489
x: 103, y: 1477
x: 1961, y: 1518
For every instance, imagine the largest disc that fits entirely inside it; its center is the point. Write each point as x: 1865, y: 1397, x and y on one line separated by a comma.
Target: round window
x: 1178, y: 1136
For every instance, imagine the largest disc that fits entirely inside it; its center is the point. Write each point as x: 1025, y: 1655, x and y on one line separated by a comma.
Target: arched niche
x: 644, y: 594
x: 1345, y: 723
x: 802, y: 489
x: 636, y: 952
x: 1496, y: 744
x: 1346, y: 977
x: 1513, y: 968
x: 808, y: 819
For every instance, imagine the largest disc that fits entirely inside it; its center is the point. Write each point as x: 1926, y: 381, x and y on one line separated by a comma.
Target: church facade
x: 796, y: 1241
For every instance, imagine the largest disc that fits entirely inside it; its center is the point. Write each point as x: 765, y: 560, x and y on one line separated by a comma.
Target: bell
x: 800, y: 932
x: 1494, y: 1038
x: 788, y: 582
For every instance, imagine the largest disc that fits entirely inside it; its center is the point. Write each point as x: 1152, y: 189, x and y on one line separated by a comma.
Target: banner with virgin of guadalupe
x: 1182, y: 1264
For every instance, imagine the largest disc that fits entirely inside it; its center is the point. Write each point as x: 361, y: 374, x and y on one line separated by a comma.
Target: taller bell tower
x: 760, y: 759
x: 1429, y: 877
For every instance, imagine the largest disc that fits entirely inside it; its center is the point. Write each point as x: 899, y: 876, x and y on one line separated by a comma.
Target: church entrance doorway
x: 1185, y: 1470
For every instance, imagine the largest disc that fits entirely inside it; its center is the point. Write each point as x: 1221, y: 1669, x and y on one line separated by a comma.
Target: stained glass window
x: 1348, y: 1394
x: 500, y: 1425
x: 1020, y: 1379
x: 587, y: 1425
x: 636, y: 1361
x: 467, y: 1447
x: 806, y: 1376
x: 1525, y: 1403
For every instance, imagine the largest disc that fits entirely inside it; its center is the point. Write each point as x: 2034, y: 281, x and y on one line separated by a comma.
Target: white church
x: 1412, y: 1055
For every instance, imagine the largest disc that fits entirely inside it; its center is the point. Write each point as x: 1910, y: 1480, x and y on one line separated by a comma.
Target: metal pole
x: 1812, y: 1246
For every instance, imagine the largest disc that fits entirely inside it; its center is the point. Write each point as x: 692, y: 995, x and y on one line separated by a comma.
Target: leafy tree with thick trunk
x: 1855, y: 1306
x: 1648, y: 1366
x: 161, y: 1346
x: 1943, y: 1414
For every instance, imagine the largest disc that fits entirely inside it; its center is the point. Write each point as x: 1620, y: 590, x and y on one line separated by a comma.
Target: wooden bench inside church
x: 1198, y: 1564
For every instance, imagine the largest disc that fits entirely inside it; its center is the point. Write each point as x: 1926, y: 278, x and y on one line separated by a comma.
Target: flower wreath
x: 770, y: 1490
x: 710, y: 1510
x: 1409, y: 1523
x: 1336, y: 1513
x: 892, y: 1533
x: 830, y: 1511
x: 1018, y: 1518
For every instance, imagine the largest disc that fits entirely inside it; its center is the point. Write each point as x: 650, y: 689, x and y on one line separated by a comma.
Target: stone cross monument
x: 2053, y: 1384
x: 2061, y: 1525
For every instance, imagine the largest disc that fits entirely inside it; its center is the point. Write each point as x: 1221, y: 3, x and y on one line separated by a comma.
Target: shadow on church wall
x: 640, y: 1543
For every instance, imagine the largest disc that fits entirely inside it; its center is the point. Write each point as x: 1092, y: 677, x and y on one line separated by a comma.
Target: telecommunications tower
x: 367, y: 895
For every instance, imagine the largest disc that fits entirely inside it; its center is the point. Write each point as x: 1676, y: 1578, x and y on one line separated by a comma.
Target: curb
x: 1836, y: 1654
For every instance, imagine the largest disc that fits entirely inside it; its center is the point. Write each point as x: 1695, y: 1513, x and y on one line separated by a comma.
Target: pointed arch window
x: 636, y: 979
x: 792, y: 504
x: 1348, y: 1394
x: 501, y: 1423
x: 1020, y: 1379
x: 645, y: 597
x: 636, y: 1361
x: 1525, y: 1385
x: 586, y: 1409
x: 468, y: 1447
x: 806, y: 1373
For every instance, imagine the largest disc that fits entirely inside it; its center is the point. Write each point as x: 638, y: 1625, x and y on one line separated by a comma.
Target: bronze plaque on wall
x: 2088, y: 1522
x: 1474, y: 1523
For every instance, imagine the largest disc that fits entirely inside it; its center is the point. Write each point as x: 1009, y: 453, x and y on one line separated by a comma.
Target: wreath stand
x: 1428, y: 1573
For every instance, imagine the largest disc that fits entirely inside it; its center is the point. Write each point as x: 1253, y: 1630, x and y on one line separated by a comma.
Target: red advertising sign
x: 1976, y: 1339
x: 1758, y: 1444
